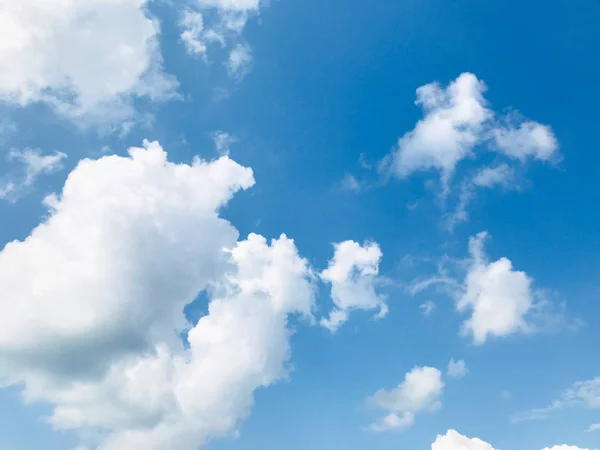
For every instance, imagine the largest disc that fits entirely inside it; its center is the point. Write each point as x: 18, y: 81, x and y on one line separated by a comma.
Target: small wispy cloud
x: 34, y: 164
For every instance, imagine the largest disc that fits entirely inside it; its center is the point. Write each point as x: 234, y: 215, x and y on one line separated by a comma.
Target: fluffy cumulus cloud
x: 85, y: 58
x: 420, y: 391
x: 582, y: 394
x: 529, y: 139
x: 220, y: 23
x: 499, y: 300
x: 33, y: 163
x: 497, y: 296
x: 453, y: 440
x: 101, y: 286
x: 353, y: 275
x: 453, y: 122
x: 457, y: 119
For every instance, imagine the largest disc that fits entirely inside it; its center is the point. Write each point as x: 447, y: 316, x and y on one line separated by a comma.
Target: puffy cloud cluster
x: 453, y: 124
x: 84, y: 58
x: 456, y: 120
x: 353, y: 275
x: 459, y: 124
x: 92, y: 306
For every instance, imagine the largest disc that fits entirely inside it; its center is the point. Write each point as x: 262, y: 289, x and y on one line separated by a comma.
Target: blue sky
x: 383, y: 201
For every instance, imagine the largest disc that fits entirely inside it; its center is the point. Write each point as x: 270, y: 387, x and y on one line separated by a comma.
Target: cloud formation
x: 420, y: 391
x: 34, y: 164
x: 220, y: 23
x: 456, y: 120
x: 102, y: 284
x: 582, y: 394
x: 453, y: 440
x: 87, y: 59
x: 497, y: 296
x: 353, y: 274
x: 457, y: 369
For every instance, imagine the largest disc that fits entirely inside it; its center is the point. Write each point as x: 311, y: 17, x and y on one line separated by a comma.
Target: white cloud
x: 223, y: 141
x: 192, y: 25
x: 498, y: 297
x: 353, y: 274
x: 427, y: 308
x: 240, y: 59
x: 453, y: 121
x: 583, y: 394
x: 489, y: 177
x: 350, y: 183
x: 501, y: 175
x: 420, y: 391
x: 102, y: 284
x: 232, y: 5
x: 529, y: 139
x: 457, y: 369
x: 453, y: 440
x: 220, y: 22
x: 35, y: 164
x: 85, y: 58
x: 593, y: 427
x: 457, y: 123
x: 500, y: 300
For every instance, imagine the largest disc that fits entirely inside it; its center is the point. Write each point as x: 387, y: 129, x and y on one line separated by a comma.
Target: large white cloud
x: 93, y: 299
x: 82, y: 57
x: 420, y: 391
x: 352, y: 273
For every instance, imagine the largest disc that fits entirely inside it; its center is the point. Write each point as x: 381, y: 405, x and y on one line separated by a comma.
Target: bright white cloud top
x: 102, y: 284
x: 81, y: 57
x: 353, y: 274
